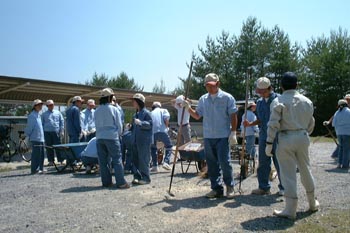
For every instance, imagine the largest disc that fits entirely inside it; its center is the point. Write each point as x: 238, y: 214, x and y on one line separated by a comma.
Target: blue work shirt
x: 73, y: 120
x: 341, y: 121
x: 122, y: 115
x: 91, y: 149
x: 263, y: 114
x: 159, y: 116
x: 34, y: 129
x: 142, y: 134
x: 108, y: 122
x: 52, y: 121
x: 250, y: 130
x: 88, y: 119
x: 216, y: 113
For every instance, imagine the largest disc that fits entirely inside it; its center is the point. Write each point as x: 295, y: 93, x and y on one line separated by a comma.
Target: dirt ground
x: 76, y: 202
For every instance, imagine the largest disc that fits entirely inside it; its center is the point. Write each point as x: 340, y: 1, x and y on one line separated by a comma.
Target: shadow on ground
x: 82, y: 189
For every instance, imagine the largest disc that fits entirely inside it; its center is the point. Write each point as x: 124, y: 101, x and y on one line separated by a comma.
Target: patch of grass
x: 5, y: 169
x: 332, y: 221
x: 11, y: 168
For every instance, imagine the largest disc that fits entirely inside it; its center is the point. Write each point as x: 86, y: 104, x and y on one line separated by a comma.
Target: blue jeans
x: 89, y: 161
x: 141, y: 159
x: 335, y: 152
x: 264, y: 168
x: 250, y: 145
x: 163, y: 137
x: 217, y: 153
x: 344, y: 150
x: 38, y: 156
x: 52, y: 138
x: 107, y: 149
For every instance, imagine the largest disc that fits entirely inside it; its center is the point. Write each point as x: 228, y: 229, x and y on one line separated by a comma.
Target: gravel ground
x: 75, y: 202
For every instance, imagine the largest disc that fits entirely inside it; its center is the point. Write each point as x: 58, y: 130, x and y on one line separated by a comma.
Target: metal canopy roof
x: 23, y: 90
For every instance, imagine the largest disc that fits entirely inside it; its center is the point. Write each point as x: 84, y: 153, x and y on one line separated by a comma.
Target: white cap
x: 36, y: 102
x: 77, y: 98
x: 140, y: 97
x: 263, y: 83
x: 49, y: 102
x: 157, y: 104
x: 347, y: 96
x: 91, y: 102
x: 180, y: 99
x: 211, y: 79
x: 107, y: 92
x: 342, y: 102
x: 251, y: 103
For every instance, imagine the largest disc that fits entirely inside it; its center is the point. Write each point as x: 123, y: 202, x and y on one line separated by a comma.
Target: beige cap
x: 77, y: 98
x: 157, y: 104
x: 107, y: 92
x: 139, y: 96
x: 211, y: 79
x: 36, y: 102
x: 347, y: 96
x: 342, y: 102
x: 49, y: 102
x: 263, y: 83
x: 251, y: 103
x: 91, y: 102
x: 180, y: 99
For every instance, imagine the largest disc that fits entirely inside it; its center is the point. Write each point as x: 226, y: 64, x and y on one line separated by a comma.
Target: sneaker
x: 261, y: 192
x: 135, y: 181
x: 88, y: 169
x: 42, y: 171
x: 50, y: 164
x: 124, y: 186
x: 214, y: 194
x: 154, y: 169
x: 230, y: 192
x: 166, y: 166
x: 281, y: 192
x: 143, y: 182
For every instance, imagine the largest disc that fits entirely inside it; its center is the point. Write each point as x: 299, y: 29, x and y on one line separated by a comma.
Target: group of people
x: 285, y: 122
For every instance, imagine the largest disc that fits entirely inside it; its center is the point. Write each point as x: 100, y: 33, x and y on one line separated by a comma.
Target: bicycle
x: 9, y: 148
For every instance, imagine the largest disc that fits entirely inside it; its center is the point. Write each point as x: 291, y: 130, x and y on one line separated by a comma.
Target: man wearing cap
x: 267, y: 95
x: 219, y: 112
x: 88, y: 126
x: 141, y: 138
x: 185, y: 124
x: 347, y: 98
x: 108, y: 130
x: 251, y: 130
x: 292, y: 117
x: 34, y: 130
x: 160, y: 119
x: 53, y: 124
x: 73, y: 116
x: 341, y: 123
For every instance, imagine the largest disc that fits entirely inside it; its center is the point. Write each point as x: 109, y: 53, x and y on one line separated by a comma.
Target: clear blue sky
x: 150, y: 40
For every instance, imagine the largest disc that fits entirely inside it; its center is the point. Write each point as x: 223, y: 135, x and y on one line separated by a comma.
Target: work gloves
x: 232, y: 138
x: 268, y: 149
x: 186, y: 104
x: 325, y: 123
x: 137, y: 121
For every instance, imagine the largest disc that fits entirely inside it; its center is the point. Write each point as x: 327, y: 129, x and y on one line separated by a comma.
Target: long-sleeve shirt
x: 108, y: 122
x: 34, y: 129
x: 341, y: 121
x: 52, y: 121
x: 186, y: 119
x: 142, y: 133
x: 250, y: 130
x: 88, y: 119
x: 263, y: 114
x: 216, y: 112
x: 73, y: 120
x: 291, y: 111
x: 159, y: 116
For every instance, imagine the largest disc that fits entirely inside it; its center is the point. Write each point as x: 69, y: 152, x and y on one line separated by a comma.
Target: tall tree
x: 121, y: 81
x: 160, y: 89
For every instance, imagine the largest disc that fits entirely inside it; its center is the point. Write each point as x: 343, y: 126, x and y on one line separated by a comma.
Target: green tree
x: 326, y: 73
x: 121, y: 81
x: 160, y: 89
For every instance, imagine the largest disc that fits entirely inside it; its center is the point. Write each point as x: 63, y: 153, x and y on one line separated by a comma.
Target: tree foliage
x: 160, y: 89
x: 120, y: 81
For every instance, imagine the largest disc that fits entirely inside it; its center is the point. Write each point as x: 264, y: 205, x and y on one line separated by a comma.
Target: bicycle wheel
x: 9, y: 150
x: 25, y: 151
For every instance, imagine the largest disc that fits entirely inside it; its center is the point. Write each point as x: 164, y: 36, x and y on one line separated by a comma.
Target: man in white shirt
x: 185, y: 124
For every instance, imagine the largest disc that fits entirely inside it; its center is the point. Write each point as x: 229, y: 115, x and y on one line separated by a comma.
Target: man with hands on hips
x: 219, y: 112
